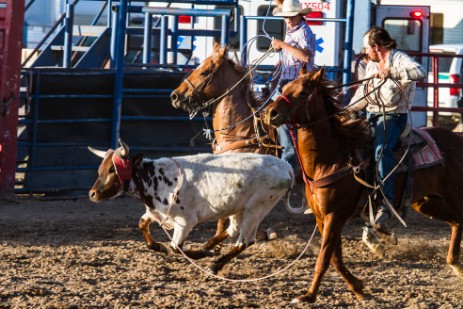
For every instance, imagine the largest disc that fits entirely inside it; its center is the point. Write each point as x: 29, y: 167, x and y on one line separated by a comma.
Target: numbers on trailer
x: 317, y: 6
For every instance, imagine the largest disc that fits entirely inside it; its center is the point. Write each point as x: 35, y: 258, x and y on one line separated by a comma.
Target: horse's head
x: 297, y: 103
x: 203, y: 84
x: 312, y: 99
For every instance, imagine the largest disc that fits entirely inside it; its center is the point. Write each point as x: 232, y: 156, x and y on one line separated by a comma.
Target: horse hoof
x: 271, y: 233
x: 361, y: 296
x: 302, y: 299
x: 457, y: 269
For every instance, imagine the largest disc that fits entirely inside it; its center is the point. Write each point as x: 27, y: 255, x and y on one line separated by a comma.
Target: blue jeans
x: 385, y: 140
x: 284, y: 139
x: 288, y: 152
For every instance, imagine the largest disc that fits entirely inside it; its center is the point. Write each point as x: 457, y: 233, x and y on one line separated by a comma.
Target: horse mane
x: 353, y: 133
x: 245, y: 84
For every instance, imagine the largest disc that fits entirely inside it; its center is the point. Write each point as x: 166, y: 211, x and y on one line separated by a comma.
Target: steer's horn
x: 125, y: 149
x: 99, y: 153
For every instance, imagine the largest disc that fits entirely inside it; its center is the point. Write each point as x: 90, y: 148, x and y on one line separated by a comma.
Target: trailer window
x: 407, y: 33
x: 274, y: 28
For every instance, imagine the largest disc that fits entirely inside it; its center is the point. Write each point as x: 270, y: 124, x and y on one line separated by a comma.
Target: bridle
x: 290, y: 114
x: 195, y: 96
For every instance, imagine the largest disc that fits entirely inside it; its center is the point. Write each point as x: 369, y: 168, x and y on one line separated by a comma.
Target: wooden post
x: 11, y: 39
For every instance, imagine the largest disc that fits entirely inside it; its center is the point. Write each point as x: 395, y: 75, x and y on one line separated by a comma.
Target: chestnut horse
x: 224, y: 86
x: 326, y: 141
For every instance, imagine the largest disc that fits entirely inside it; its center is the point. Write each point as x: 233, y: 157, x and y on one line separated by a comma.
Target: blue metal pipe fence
x: 34, y: 144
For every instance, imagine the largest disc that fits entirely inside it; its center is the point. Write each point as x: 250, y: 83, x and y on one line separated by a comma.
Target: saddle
x: 414, y: 151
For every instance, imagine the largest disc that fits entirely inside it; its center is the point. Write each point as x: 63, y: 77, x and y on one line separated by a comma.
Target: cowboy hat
x: 290, y: 8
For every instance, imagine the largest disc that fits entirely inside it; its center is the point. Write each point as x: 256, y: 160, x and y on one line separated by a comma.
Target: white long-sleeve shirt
x: 404, y: 70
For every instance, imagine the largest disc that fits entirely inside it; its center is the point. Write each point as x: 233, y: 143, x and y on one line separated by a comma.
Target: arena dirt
x: 77, y: 254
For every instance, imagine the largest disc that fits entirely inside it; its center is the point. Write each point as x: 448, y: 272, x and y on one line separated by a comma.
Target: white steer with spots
x: 181, y: 192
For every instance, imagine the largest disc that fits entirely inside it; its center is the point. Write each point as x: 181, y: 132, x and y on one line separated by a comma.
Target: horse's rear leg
x: 437, y: 208
x: 453, y: 257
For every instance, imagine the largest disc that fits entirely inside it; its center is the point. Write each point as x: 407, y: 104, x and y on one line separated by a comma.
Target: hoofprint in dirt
x: 74, y: 253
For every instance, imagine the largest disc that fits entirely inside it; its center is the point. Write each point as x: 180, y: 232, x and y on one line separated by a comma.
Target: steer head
x: 114, y: 173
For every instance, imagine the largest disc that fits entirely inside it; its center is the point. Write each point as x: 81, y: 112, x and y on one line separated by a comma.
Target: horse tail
x: 288, y: 207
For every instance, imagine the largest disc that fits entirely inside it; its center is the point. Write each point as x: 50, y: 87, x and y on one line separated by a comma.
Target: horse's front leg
x: 354, y: 284
x: 331, y: 235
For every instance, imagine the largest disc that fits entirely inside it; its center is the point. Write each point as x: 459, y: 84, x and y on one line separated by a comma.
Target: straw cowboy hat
x: 290, y: 8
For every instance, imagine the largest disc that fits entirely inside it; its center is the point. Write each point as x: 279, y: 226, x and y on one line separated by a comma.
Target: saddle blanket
x: 425, y: 151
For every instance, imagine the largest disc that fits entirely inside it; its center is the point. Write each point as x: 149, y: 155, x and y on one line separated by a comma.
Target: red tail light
x: 314, y: 14
x: 417, y: 14
x: 454, y: 79
x: 184, y: 19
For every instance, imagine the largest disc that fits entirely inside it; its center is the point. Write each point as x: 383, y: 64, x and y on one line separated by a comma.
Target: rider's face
x: 293, y: 21
x: 371, y: 51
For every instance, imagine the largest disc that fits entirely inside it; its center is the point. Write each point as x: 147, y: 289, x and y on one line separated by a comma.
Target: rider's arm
x: 358, y: 101
x: 405, y: 67
x: 302, y: 54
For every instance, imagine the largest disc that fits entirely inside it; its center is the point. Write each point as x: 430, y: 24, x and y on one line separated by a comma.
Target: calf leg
x: 144, y: 226
x: 181, y: 232
x: 220, y: 235
x: 224, y: 259
x: 246, y: 225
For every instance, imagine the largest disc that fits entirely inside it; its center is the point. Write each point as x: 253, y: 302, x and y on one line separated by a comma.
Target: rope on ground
x: 251, y: 279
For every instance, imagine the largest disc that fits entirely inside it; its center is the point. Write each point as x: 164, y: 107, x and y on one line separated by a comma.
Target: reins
x: 340, y: 173
x: 195, y: 110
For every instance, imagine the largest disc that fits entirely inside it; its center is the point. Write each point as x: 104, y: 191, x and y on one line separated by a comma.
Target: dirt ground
x: 77, y: 254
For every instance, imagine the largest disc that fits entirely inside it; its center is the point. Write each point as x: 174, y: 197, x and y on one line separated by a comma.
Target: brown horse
x: 224, y: 86
x: 326, y: 142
